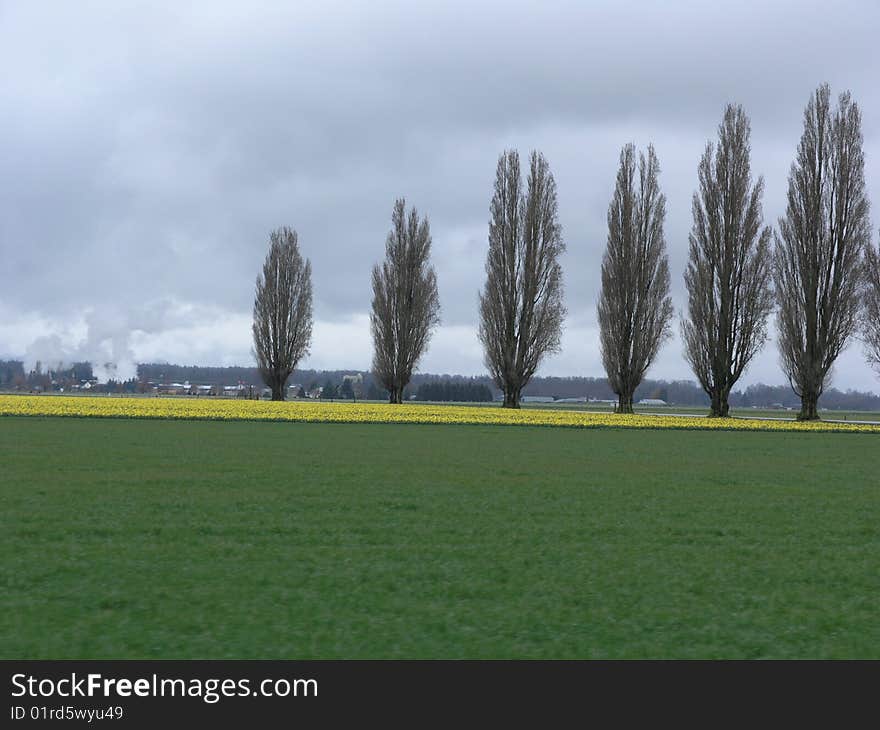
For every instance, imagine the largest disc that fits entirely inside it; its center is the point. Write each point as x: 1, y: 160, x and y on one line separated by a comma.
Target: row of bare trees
x: 521, y: 308
x: 405, y: 308
x: 820, y: 274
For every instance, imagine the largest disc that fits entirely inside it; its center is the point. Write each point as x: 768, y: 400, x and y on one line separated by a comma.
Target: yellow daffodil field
x: 326, y: 412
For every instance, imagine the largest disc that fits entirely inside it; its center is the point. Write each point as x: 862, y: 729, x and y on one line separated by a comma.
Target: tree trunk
x: 395, y: 395
x: 624, y: 403
x: 720, y: 407
x: 511, y: 398
x: 809, y: 407
x: 715, y: 406
x: 277, y: 391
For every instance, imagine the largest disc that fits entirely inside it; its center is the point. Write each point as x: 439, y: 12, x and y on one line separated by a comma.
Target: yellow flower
x: 249, y: 410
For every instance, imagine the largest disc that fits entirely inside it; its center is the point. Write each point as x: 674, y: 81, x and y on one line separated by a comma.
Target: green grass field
x: 158, y: 539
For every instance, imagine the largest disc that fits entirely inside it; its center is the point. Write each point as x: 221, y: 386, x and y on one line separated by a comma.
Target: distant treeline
x: 13, y: 375
x: 454, y: 390
x: 428, y: 386
x: 166, y: 373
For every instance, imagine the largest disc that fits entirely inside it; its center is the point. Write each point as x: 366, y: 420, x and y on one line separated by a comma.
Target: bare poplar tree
x: 282, y: 311
x: 521, y: 309
x: 819, y: 248
x: 728, y: 272
x: 634, y: 304
x: 406, y: 307
x: 871, y: 311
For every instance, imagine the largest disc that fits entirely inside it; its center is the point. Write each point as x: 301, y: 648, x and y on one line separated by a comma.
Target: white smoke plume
x: 107, y: 341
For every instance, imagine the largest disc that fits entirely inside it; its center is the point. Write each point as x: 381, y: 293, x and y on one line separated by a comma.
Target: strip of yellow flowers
x: 248, y: 410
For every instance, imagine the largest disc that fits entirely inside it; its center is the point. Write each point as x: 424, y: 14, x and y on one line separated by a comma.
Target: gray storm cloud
x: 147, y: 149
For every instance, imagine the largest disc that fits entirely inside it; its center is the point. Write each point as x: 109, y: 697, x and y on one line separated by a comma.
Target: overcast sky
x: 147, y: 149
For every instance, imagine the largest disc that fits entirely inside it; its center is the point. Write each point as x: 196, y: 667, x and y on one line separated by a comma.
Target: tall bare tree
x: 871, y: 311
x: 819, y: 248
x: 728, y: 272
x: 406, y: 307
x: 282, y: 311
x: 521, y: 309
x: 634, y: 304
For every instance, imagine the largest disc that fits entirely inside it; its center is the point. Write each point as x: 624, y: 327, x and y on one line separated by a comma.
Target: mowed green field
x: 160, y: 539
